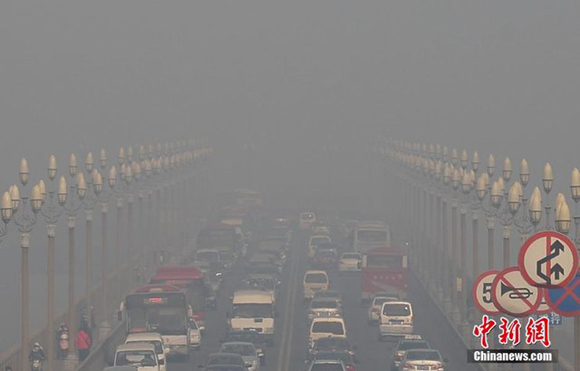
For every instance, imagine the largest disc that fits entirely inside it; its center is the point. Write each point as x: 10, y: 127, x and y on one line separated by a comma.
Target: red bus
x: 188, y: 279
x: 384, y: 269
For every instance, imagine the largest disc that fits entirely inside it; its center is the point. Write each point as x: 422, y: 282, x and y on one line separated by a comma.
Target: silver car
x: 244, y: 349
x: 324, y: 307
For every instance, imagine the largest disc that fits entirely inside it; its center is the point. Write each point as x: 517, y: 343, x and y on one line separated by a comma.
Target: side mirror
x: 119, y: 315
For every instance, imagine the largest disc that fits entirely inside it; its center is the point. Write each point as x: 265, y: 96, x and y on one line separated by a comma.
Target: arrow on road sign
x: 557, y: 270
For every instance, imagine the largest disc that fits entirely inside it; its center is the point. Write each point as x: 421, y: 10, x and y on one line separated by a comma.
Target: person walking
x: 83, y: 343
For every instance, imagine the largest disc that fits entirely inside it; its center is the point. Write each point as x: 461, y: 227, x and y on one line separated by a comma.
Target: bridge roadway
x: 289, y: 349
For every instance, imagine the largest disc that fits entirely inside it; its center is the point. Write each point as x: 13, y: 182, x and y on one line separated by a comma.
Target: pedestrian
x: 83, y: 343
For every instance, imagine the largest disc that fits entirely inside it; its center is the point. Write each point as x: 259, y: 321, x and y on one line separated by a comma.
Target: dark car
x: 223, y: 359
x: 325, y: 259
x: 249, y: 336
x: 330, y: 344
x: 341, y: 355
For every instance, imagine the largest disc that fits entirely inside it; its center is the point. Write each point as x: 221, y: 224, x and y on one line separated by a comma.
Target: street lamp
x: 535, y: 210
x: 547, y: 181
x: 563, y: 218
x: 25, y: 219
x: 52, y: 212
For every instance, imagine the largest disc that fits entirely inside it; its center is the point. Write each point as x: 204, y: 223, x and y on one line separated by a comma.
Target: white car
x: 156, y: 340
x: 246, y: 350
x: 396, y: 320
x: 194, y: 334
x: 423, y: 359
x: 140, y: 355
x: 326, y: 327
x: 313, y: 281
x: 350, y: 262
x: 374, y: 312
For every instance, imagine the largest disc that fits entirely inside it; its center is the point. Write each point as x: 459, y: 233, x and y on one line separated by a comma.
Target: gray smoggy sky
x: 289, y: 77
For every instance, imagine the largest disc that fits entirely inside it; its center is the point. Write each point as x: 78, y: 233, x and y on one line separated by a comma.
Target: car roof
x: 135, y: 346
x: 217, y: 355
x: 148, y: 336
x: 315, y: 272
x: 328, y: 319
x: 238, y: 343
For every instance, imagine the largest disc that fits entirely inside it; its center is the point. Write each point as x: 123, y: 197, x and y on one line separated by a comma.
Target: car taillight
x: 398, y: 356
x: 408, y: 366
x: 350, y: 368
x: 439, y: 365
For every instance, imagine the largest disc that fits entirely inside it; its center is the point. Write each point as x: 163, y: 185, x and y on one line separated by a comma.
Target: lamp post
x: 52, y: 211
x: 25, y: 219
x: 89, y: 204
x: 6, y: 211
x: 547, y: 181
x: 72, y: 207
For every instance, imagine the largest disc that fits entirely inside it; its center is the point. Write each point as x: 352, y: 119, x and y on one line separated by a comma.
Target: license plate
x: 422, y: 367
x: 398, y: 322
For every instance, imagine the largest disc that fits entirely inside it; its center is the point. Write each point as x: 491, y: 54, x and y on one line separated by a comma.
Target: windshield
x: 321, y: 304
x: 397, y: 310
x: 226, y: 359
x: 208, y: 256
x: 372, y: 236
x: 423, y: 355
x: 135, y: 357
x: 262, y: 268
x: 380, y: 301
x: 332, y: 343
x: 245, y: 350
x: 164, y: 320
x: 325, y: 254
x: 334, y: 328
x: 385, y: 261
x: 319, y: 240
x: 327, y: 367
x: 252, y: 311
x: 158, y: 345
x: 316, y: 278
x: 261, y: 283
x: 345, y: 357
x: 327, y: 294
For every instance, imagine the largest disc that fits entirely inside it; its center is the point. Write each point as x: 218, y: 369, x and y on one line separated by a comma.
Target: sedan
x: 350, y: 262
x: 423, y: 359
x: 244, y: 349
x: 221, y: 359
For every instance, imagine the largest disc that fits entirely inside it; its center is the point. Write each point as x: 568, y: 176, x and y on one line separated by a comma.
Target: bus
x: 189, y: 279
x: 384, y: 269
x: 162, y: 309
x: 368, y: 235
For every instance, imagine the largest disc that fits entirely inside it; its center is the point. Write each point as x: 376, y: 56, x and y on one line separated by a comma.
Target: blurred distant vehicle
x: 315, y: 241
x: 253, y: 310
x: 370, y: 234
x: 314, y: 280
x: 321, y: 230
x: 323, y: 327
x: 328, y: 294
x: 263, y: 282
x: 156, y: 340
x: 332, y: 343
x: 324, y: 259
x: 350, y: 262
x: 140, y: 355
x: 324, y: 308
x: 327, y: 365
x: 343, y: 356
x: 244, y: 349
x: 306, y: 220
x: 194, y: 334
x: 223, y: 359
x: 251, y: 336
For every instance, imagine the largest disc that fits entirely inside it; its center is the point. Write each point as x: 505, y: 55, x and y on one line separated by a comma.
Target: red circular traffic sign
x: 548, y: 259
x: 512, y: 295
x: 481, y: 293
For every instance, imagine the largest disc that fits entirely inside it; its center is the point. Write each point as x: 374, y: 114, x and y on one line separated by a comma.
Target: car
x: 321, y: 230
x: 264, y: 282
x: 228, y: 259
x: 225, y: 368
x: 328, y: 294
x: 341, y: 355
x: 332, y: 343
x: 120, y: 368
x: 208, y: 255
x: 396, y: 320
x: 350, y: 262
x: 315, y: 241
x: 222, y: 359
x: 423, y: 359
x: 374, y: 312
x: 246, y: 350
x: 156, y: 340
x: 325, y: 327
x: 325, y: 307
x: 139, y: 355
x: 250, y: 336
x: 327, y: 365
x: 324, y: 259
x: 313, y: 281
x: 194, y: 334
x: 403, y: 346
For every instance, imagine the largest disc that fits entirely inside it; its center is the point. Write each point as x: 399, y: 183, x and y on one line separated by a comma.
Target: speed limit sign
x: 481, y: 293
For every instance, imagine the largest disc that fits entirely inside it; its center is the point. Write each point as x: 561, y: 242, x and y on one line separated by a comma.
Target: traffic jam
x: 289, y: 289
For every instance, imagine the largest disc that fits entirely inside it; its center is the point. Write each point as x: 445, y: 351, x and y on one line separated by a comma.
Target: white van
x: 253, y: 310
x: 140, y: 355
x: 396, y: 320
x: 314, y: 280
x: 156, y: 340
x: 326, y: 327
